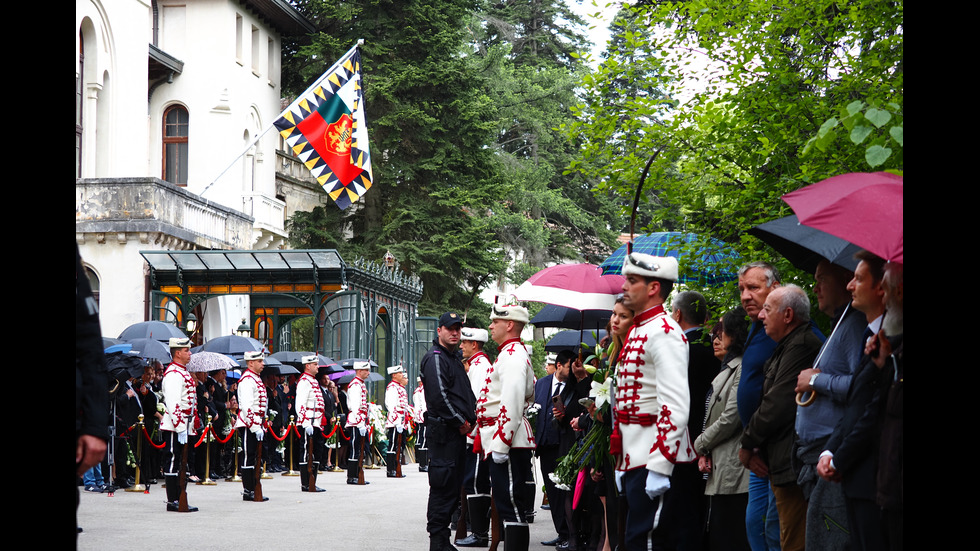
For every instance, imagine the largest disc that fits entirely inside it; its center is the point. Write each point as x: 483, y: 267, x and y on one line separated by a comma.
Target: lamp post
x: 243, y: 330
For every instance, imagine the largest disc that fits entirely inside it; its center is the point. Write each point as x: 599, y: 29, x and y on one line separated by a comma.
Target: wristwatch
x: 813, y: 378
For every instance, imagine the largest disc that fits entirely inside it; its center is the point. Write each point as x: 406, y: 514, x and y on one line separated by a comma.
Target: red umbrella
x: 578, y: 286
x: 863, y: 208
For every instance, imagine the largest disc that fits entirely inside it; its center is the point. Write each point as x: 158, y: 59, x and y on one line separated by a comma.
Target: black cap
x: 450, y: 318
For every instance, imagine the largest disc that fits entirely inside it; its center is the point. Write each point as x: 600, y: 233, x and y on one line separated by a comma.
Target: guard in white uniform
x: 505, y: 435
x: 357, y: 419
x: 652, y: 397
x: 180, y: 402
x: 396, y: 423
x: 476, y: 475
x: 418, y: 415
x: 253, y: 403
x: 309, y: 417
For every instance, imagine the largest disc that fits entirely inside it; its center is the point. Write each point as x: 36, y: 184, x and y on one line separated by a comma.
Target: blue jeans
x: 761, y: 518
x: 93, y: 477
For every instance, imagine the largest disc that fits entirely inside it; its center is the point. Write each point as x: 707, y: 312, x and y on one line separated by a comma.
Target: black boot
x: 440, y: 541
x: 517, y: 537
x: 479, y: 511
x: 423, y: 458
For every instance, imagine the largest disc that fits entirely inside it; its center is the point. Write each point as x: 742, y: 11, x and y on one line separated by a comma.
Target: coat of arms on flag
x: 327, y: 130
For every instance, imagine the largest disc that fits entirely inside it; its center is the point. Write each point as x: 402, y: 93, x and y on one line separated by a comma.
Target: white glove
x: 182, y: 437
x: 619, y: 480
x: 400, y: 429
x: 499, y: 457
x: 363, y: 431
x: 309, y: 430
x: 259, y: 434
x: 657, y: 484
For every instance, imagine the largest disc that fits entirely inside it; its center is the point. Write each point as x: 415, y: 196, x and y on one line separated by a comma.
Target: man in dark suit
x: 547, y: 448
x: 849, y: 457
x: 684, y: 501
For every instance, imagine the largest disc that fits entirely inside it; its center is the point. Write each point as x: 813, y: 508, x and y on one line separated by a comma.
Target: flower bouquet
x: 592, y: 451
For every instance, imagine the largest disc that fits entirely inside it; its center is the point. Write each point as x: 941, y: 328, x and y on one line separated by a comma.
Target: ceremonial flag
x: 327, y: 130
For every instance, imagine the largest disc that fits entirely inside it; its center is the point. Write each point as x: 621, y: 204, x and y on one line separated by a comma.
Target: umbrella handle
x: 636, y: 199
x: 804, y: 403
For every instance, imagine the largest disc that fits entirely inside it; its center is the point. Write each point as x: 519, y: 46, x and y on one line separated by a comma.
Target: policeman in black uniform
x: 449, y: 418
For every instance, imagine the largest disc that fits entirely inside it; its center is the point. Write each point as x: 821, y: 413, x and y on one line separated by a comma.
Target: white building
x: 169, y: 94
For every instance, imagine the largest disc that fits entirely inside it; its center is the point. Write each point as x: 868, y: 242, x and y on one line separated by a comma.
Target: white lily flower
x: 600, y: 392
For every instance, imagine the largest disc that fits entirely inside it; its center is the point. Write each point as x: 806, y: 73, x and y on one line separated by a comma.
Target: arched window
x: 175, y: 131
x: 79, y: 101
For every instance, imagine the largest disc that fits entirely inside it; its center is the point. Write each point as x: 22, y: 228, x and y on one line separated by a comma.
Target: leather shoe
x: 553, y: 542
x: 175, y: 507
x: 354, y: 481
x: 473, y: 540
x: 250, y: 496
x: 315, y: 489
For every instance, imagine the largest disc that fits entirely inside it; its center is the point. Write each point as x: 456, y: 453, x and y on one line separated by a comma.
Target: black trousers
x: 556, y: 498
x: 447, y: 457
x: 513, y: 486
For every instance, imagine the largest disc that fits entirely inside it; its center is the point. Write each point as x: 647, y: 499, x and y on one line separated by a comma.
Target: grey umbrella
x: 157, y: 330
x: 151, y: 349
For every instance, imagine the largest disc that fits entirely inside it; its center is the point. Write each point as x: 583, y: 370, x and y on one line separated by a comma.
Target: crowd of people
x: 245, y: 424
x: 755, y: 433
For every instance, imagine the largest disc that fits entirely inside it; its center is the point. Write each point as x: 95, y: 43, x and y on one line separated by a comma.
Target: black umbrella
x: 349, y: 363
x: 372, y: 376
x: 553, y: 315
x: 804, y: 246
x: 273, y: 366
x: 572, y: 340
x: 124, y: 365
x: 157, y: 330
x: 233, y: 345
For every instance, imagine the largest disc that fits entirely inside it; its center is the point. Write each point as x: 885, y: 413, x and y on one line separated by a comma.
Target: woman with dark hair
x: 728, y: 481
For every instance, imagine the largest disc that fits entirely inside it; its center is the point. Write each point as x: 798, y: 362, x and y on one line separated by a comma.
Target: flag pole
x: 343, y: 58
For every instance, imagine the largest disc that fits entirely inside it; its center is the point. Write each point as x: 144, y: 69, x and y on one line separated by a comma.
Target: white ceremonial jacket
x: 179, y: 399
x: 357, y: 403
x: 309, y: 402
x: 253, y: 402
x: 418, y: 404
x: 477, y: 374
x: 508, y: 387
x: 396, y: 402
x: 652, y: 395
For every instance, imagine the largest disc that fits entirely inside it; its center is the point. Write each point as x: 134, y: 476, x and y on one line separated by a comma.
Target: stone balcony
x: 157, y: 211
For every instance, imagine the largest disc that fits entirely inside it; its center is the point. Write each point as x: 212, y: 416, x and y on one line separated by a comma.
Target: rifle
x: 360, y: 459
x: 311, y: 472
x: 399, y: 442
x: 182, y: 479
x: 258, y: 472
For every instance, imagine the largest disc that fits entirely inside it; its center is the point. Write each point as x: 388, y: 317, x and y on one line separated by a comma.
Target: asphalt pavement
x: 387, y: 514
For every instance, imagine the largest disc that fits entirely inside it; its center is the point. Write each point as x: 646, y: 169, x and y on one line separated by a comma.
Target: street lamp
x: 191, y: 323
x: 243, y: 329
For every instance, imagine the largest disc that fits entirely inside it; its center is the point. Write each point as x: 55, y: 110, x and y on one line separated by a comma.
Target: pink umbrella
x: 862, y: 208
x: 578, y: 286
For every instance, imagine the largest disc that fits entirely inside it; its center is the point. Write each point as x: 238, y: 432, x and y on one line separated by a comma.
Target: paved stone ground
x: 388, y: 514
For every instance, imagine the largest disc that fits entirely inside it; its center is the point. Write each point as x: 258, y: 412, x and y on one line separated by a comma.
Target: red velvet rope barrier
x: 150, y: 440
x: 265, y: 425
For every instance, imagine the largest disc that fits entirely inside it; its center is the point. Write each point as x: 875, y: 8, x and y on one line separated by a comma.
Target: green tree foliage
x: 429, y: 121
x: 760, y: 98
x: 463, y: 102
